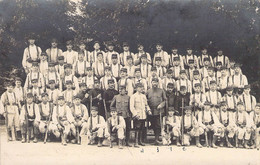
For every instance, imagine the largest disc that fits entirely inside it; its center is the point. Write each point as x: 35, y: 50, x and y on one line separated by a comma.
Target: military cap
x: 123, y: 70
x: 69, y: 42
x: 191, y: 61
x: 171, y: 109
x: 155, y: 79
x: 94, y: 108
x: 43, y: 54
x: 110, y: 81
x: 129, y: 57
x: 122, y: 87
x: 197, y: 85
x: 170, y: 85
x: 207, y: 103
x: 139, y: 85
x: 206, y: 59
x: 143, y: 56
x: 240, y: 103
x: 18, y: 79
x: 196, y: 72
x: 68, y: 66
x: 61, y: 97
x: 68, y: 82
x: 51, y: 81
x: 247, y: 86
x: 223, y: 103
x: 34, y: 80
x: 89, y: 68
x: 153, y: 68
x: 96, y: 81
x: 176, y: 58
x: 125, y: 44
x: 107, y: 68
x: 210, y: 68
x: 169, y: 71
x: 114, y: 56
x: 77, y: 96
x: 110, y: 43
x: 229, y: 88
x: 60, y: 57
x: 189, y: 48
x: 54, y: 40
x: 212, y: 82
x: 51, y: 64
x: 112, y: 109
x: 137, y: 69
x: 82, y: 84
x: 158, y: 59
x: 35, y: 63
x: 183, y: 88
x: 29, y: 95
x: 44, y: 94
x: 223, y: 68
x: 187, y: 108
x: 182, y: 71
x: 218, y: 63
x: 99, y: 53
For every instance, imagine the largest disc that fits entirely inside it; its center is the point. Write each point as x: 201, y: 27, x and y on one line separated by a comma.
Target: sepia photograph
x: 130, y: 82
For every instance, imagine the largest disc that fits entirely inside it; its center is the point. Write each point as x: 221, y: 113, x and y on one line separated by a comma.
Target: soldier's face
x: 123, y: 74
x: 158, y: 63
x: 154, y: 84
x: 29, y: 100
x: 220, y: 52
x: 94, y: 113
x: 144, y: 60
x: 196, y: 76
x: 68, y: 70
x: 61, y: 102
x: 68, y: 86
x: 174, y: 51
x: 191, y: 65
x: 54, y: 44
x: 35, y: 68
x: 183, y: 76
x: 96, y: 46
x: 247, y: 91
x: 159, y: 47
x: 232, y: 63
x: 31, y: 41
x: 90, y: 73
x: 237, y: 69
x: 18, y: 83
x: 219, y: 67
x: 176, y: 63
x: 82, y: 46
x: 111, y: 85
x: 77, y: 101
x: 154, y: 73
x: 189, y: 51
x: 52, y: 69
x: 197, y: 89
x: 210, y: 72
x: 61, y: 61
x: 81, y: 57
x: 184, y: 91
x: 9, y: 88
x: 45, y: 99
x: 43, y: 58
x: 110, y: 48
x: 229, y: 93
x: 35, y: 84
x: 206, y: 63
x: 107, y: 72
x: 100, y: 57
x: 206, y: 107
x: 113, y: 113
x: 114, y: 61
x: 139, y: 89
x: 240, y: 108
x: 140, y: 48
x: 171, y: 113
x: 188, y: 112
x: 126, y: 48
x: 130, y: 61
x: 213, y: 87
x: 83, y: 88
x: 69, y: 47
x: 138, y: 74
x: 224, y: 108
x: 169, y: 89
x: 223, y: 72
x: 52, y: 85
x: 122, y: 91
x: 204, y: 51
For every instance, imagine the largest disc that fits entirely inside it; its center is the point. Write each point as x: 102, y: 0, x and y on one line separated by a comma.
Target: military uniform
x: 176, y: 68
x: 52, y: 92
x: 69, y: 93
x: 188, y: 56
x: 99, y: 66
x: 125, y: 81
x: 183, y: 82
x: 181, y: 96
x: 213, y: 96
x: 95, y: 52
x: 248, y: 100
x: 43, y: 65
x: 138, y: 55
x: 109, y: 94
x: 69, y: 76
x: 70, y: 56
x: 115, y: 67
x: 55, y: 76
x: 221, y: 58
x: 210, y: 77
x: 172, y: 57
x: 202, y: 57
x: 124, y: 54
x: 36, y: 91
x: 168, y: 79
x: 34, y: 75
x: 161, y: 70
x: 54, y: 52
x: 144, y: 66
x: 130, y: 67
x: 109, y: 53
x: 138, y: 79
x: 163, y: 54
x: 60, y: 67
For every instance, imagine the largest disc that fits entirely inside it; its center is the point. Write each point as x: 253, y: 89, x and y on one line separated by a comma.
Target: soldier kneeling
x: 191, y: 127
x: 171, y: 125
x: 96, y: 126
x: 116, y: 128
x: 30, y: 118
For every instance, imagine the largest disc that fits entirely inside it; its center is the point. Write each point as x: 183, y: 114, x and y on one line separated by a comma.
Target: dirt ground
x: 16, y: 153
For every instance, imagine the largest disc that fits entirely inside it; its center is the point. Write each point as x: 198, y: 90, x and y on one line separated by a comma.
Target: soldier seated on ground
x: 96, y: 127
x: 171, y: 125
x: 116, y: 128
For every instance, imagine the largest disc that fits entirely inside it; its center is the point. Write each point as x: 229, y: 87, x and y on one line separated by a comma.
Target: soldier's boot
x: 253, y: 146
x: 35, y: 140
x: 221, y: 142
x: 228, y: 143
x: 120, y: 142
x: 23, y: 138
x: 9, y: 135
x: 48, y: 137
x: 214, y: 142
x: 157, y: 134
x: 140, y: 138
x: 178, y: 141
x: 197, y: 138
x: 73, y: 141
x: 65, y: 139
x: 136, y: 140
x: 240, y: 144
x: 28, y: 135
x: 246, y: 144
x: 127, y: 139
x: 19, y: 135
x: 13, y: 135
x: 99, y: 142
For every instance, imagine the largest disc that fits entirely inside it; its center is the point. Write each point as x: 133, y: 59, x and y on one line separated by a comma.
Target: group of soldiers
x: 104, y: 95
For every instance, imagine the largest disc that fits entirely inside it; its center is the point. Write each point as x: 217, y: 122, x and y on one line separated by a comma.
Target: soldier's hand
x: 149, y: 113
x: 114, y: 128
x: 99, y: 96
x: 59, y: 126
x: 86, y: 95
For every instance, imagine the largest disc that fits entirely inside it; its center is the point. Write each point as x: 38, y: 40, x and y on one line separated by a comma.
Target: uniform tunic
x: 53, y: 54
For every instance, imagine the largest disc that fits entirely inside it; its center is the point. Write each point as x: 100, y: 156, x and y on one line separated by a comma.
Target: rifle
x: 105, y: 108
x: 182, y: 122
x: 77, y: 132
x: 48, y: 125
x: 27, y: 122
